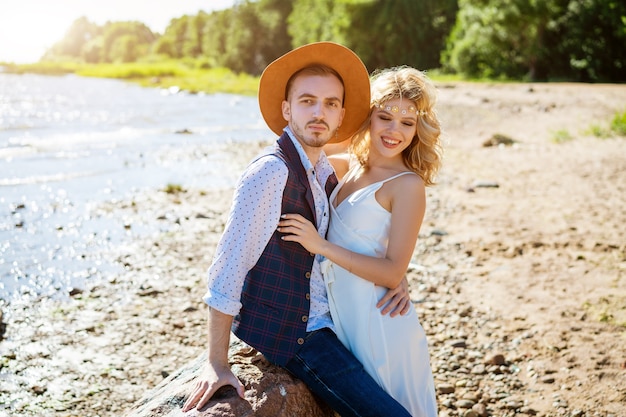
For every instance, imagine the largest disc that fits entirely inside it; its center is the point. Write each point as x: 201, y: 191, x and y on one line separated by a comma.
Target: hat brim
x: 347, y: 64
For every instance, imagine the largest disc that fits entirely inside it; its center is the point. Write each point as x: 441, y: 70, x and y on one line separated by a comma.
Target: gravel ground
x: 518, y: 276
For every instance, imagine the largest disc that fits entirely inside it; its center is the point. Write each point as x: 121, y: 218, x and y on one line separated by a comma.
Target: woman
x: 376, y: 213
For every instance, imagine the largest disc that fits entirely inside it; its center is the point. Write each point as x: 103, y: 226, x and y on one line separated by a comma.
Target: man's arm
x: 258, y: 195
x: 396, y: 300
x: 217, y: 372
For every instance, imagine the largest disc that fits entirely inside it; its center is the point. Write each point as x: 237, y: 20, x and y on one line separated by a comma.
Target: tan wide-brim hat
x: 347, y: 64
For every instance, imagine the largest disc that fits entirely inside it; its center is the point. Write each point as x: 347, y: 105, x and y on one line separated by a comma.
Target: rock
x: 73, y: 292
x: 512, y: 404
x: 485, y: 184
x: 270, y: 391
x: 499, y: 139
x: 480, y: 409
x: 438, y: 232
x: 478, y: 369
x: 458, y: 343
x: 445, y: 388
x: 464, y: 403
x: 497, y: 359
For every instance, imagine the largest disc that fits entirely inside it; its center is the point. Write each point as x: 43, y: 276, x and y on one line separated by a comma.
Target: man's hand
x: 397, y: 300
x: 212, y: 379
x: 217, y: 372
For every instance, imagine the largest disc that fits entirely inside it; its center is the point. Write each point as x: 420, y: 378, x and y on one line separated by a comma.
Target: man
x: 269, y: 291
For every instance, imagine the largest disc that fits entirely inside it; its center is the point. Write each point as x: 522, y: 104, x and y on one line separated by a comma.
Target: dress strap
x: 396, y: 176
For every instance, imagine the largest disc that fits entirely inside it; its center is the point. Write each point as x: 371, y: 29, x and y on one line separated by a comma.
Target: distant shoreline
x: 187, y: 76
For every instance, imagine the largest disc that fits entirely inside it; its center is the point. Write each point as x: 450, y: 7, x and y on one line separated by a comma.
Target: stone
x: 498, y: 139
x: 497, y: 359
x: 270, y: 391
x: 458, y: 343
x: 445, y: 388
x: 480, y: 409
x: 464, y: 404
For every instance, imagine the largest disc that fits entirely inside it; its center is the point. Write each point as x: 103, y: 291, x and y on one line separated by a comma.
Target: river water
x: 68, y: 143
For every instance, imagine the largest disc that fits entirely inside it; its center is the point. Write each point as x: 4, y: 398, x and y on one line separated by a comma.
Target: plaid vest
x: 275, y: 297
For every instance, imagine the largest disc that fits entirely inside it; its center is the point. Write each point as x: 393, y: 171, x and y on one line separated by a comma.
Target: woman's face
x: 393, y: 126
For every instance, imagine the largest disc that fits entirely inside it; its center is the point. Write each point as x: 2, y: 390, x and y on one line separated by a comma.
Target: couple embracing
x: 311, y: 267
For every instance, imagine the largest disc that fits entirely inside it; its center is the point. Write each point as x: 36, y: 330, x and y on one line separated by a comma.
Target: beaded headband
x: 396, y: 109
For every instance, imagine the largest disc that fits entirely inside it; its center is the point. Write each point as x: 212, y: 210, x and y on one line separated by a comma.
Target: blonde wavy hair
x: 423, y: 156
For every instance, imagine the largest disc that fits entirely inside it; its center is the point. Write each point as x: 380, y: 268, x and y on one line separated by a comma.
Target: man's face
x: 314, y: 109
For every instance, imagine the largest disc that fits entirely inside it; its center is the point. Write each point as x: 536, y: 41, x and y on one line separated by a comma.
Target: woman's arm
x: 408, y: 204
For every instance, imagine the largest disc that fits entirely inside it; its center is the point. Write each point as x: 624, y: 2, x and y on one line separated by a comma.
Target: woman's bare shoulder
x: 407, y: 185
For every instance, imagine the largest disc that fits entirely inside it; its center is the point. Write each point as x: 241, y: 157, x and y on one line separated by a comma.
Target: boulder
x: 270, y: 391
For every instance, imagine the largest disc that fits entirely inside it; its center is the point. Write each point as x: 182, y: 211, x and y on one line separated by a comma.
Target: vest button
x: 300, y: 341
x: 311, y: 253
x: 308, y: 296
x: 308, y: 275
x: 304, y: 319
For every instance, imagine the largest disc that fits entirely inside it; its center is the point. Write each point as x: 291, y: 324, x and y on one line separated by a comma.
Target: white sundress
x: 394, y: 350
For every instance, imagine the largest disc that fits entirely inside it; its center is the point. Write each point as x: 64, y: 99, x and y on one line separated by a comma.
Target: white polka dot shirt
x: 254, y: 216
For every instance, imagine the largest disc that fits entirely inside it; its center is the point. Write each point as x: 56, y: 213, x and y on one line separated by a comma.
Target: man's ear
x: 286, y: 108
x: 343, y: 114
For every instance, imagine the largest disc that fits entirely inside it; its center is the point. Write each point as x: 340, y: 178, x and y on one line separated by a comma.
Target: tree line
x: 576, y: 40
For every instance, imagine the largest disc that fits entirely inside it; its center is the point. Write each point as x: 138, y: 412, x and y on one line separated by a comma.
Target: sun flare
x: 29, y: 27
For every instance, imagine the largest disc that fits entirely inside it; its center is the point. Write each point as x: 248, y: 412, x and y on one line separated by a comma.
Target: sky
x: 29, y: 27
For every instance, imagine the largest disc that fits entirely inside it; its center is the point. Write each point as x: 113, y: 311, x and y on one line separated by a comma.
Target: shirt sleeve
x: 253, y: 218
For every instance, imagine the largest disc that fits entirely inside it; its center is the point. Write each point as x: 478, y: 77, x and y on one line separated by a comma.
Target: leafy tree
x: 590, y: 40
x: 80, y: 36
x: 192, y: 45
x: 125, y: 40
x: 244, y: 31
x: 401, y: 32
x: 124, y: 49
x: 171, y: 43
x: 214, y: 36
x: 494, y: 38
x: 276, y: 40
x: 539, y: 39
x: 164, y: 46
x: 383, y: 33
x: 248, y: 36
x: 319, y: 20
x: 92, y: 50
x: 581, y: 40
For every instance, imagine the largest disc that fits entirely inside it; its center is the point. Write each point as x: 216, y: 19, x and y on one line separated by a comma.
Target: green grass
x: 561, y: 135
x: 599, y: 131
x: 193, y: 75
x: 617, y: 127
x: 173, y: 189
x: 213, y: 80
x: 132, y: 70
x: 187, y: 75
x: 609, y: 309
x: 618, y: 124
x: 45, y: 68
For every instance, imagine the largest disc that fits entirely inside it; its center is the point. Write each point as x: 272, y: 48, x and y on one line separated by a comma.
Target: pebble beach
x: 519, y: 274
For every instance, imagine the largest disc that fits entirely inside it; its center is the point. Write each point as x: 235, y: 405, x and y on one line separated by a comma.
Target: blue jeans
x: 333, y: 373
